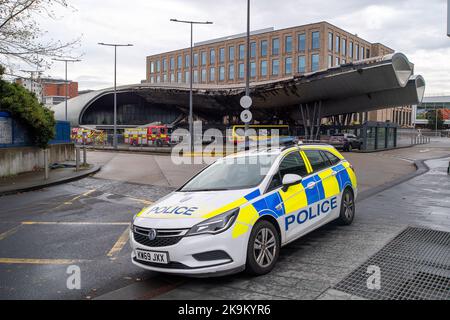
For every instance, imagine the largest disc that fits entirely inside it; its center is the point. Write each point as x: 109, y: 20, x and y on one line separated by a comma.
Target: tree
x: 25, y: 107
x: 431, y: 116
x: 21, y: 36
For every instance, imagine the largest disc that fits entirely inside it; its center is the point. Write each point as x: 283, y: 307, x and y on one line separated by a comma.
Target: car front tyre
x: 347, y: 213
x: 263, y: 248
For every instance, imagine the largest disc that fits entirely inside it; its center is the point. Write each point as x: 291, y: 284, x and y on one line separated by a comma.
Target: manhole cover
x: 414, y: 265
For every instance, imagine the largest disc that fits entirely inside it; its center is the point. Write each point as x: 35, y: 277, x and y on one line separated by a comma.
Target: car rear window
x: 318, y: 162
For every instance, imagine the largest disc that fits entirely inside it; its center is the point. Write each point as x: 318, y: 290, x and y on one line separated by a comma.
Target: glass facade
x: 315, y: 62
x: 231, y: 72
x: 301, y: 66
x: 288, y: 65
x: 231, y: 53
x: 263, y: 70
x: 263, y: 48
x: 241, y: 52
x: 221, y: 55
x: 275, y: 67
x: 275, y: 46
x: 315, y: 40
x: 302, y: 42
x: 241, y: 71
x: 288, y: 44
x: 253, y: 50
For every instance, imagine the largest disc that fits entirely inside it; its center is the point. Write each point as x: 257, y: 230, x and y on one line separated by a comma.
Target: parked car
x: 346, y: 141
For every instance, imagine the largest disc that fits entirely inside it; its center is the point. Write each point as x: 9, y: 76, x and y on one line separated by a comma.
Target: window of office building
x: 152, y: 79
x: 172, y: 63
x: 179, y: 77
x: 231, y: 72
x: 263, y: 70
x: 179, y: 62
x: 164, y: 63
x: 172, y: 77
x: 362, y: 53
x: 231, y: 54
x: 350, y: 49
x: 212, y: 56
x: 288, y: 44
x: 187, y: 75
x: 195, y: 79
x: 241, y: 71
x: 275, y: 46
x: 203, y: 58
x: 187, y: 61
x: 195, y: 59
x: 343, y: 61
x: 330, y: 41
x: 302, y: 42
x: 164, y: 77
x: 252, y: 69
x: 338, y: 44
x: 221, y: 55
x: 221, y: 73
x: 315, y: 62
x: 158, y: 79
x: 152, y: 67
x: 263, y: 48
x: 212, y: 74
x: 357, y: 52
x: 301, y: 65
x: 288, y: 65
x: 275, y: 67
x: 336, y: 62
x: 344, y: 47
x: 252, y: 49
x: 158, y: 66
x: 241, y: 51
x: 203, y: 75
x: 367, y: 53
x: 315, y: 40
x: 330, y: 61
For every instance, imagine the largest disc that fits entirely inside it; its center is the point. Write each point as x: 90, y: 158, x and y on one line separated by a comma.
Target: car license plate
x: 152, y: 256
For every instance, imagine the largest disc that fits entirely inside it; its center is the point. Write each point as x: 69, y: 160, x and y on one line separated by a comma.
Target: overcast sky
x: 414, y: 27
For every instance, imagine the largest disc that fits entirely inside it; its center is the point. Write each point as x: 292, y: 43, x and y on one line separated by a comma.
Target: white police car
x: 237, y: 213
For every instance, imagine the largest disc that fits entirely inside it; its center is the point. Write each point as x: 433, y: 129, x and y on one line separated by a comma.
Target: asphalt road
x: 84, y: 223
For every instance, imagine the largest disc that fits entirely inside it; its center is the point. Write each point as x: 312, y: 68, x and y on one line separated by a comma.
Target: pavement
x: 84, y: 223
x: 35, y: 180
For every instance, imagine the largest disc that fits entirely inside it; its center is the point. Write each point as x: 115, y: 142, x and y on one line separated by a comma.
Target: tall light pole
x: 191, y: 116
x: 247, y: 77
x: 66, y: 82
x: 115, y: 45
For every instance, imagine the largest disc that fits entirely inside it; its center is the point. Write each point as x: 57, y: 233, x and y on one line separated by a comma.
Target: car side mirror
x: 290, y: 180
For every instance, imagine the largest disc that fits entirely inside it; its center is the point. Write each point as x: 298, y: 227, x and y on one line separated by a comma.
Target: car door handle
x: 311, y: 185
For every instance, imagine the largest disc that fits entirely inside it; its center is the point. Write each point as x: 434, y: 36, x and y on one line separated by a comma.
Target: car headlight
x: 216, y: 224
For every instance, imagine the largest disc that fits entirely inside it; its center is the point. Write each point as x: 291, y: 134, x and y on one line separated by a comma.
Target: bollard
x: 46, y: 164
x: 84, y: 156
x: 77, y: 158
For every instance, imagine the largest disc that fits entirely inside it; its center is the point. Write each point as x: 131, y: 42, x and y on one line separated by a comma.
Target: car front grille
x: 164, y: 237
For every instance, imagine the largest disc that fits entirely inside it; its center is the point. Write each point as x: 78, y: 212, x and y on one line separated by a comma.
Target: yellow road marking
x: 123, y: 239
x: 9, y: 232
x: 75, y: 223
x: 39, y: 261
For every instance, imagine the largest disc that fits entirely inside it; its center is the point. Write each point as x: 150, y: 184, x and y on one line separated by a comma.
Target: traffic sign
x: 246, y: 116
x: 246, y: 102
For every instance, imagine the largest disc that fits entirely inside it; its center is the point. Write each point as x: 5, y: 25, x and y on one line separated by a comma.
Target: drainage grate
x: 415, y: 265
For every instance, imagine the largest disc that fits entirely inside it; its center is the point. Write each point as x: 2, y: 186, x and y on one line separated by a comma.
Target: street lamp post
x: 115, y: 45
x: 66, y: 82
x: 191, y: 116
x: 247, y: 78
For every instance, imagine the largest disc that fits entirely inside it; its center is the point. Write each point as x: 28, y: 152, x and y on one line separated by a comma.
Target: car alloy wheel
x: 264, y: 248
x: 349, y: 206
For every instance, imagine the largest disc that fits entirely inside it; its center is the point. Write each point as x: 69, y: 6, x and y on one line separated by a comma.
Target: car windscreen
x: 231, y: 174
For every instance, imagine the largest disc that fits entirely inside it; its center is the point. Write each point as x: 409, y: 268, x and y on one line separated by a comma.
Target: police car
x: 237, y: 213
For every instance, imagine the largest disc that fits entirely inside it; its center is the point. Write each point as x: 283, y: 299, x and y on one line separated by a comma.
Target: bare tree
x: 21, y: 39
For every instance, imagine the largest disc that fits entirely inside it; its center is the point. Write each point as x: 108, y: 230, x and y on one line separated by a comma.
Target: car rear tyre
x: 263, y: 248
x: 347, y: 208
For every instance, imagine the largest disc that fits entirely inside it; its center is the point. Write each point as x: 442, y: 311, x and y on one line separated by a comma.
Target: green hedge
x: 25, y: 107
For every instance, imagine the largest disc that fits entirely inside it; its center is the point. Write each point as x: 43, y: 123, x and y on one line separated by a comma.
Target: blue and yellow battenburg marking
x: 281, y: 203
